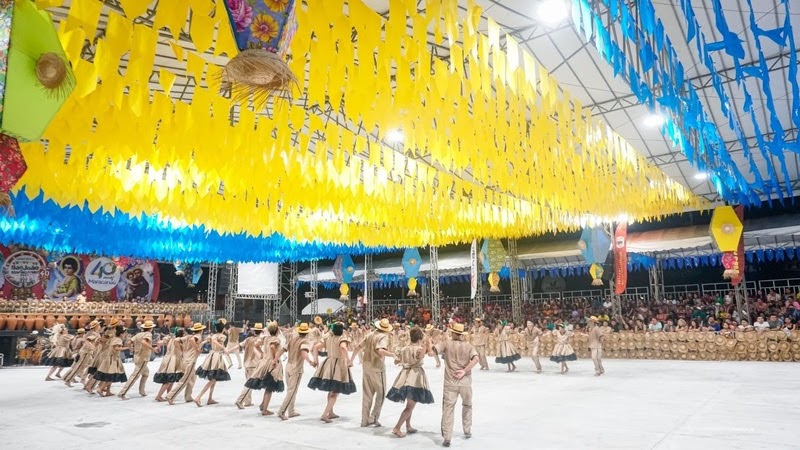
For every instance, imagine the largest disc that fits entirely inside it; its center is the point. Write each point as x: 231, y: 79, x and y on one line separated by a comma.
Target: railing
x: 714, y: 288
x: 678, y: 289
x: 779, y: 284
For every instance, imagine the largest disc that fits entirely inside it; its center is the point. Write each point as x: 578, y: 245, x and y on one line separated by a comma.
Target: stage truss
x: 436, y: 307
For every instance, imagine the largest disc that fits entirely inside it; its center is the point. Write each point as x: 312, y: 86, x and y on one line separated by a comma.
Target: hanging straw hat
x: 783, y: 346
x: 681, y: 335
x: 457, y: 328
x: 665, y: 346
x: 682, y: 348
x: 385, y: 326
x: 148, y: 325
x: 197, y: 327
x: 772, y: 346
x: 303, y: 328
x: 786, y: 356
x: 258, y: 326
x: 719, y: 340
x: 710, y: 337
x: 317, y: 320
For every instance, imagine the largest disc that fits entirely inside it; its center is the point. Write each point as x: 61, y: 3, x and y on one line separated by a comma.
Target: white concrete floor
x: 637, y: 405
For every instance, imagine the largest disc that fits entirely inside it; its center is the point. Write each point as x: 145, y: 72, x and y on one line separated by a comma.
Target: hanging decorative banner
x: 496, y: 256
x: 594, y: 245
x: 412, y: 261
x: 473, y: 269
x: 621, y: 258
x: 343, y: 269
x: 65, y: 278
x: 25, y: 272
x: 726, y: 230
x: 739, y: 277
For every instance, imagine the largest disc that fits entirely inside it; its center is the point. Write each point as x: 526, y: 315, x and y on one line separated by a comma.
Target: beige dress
x: 333, y: 375
x: 411, y: 382
x: 60, y: 355
x: 214, y: 367
x: 110, y: 367
x: 101, y: 349
x: 263, y: 378
x: 171, y: 368
x: 563, y: 351
x: 507, y: 351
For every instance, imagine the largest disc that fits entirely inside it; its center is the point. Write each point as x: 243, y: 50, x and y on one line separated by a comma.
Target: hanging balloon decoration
x: 263, y: 30
x: 595, y: 246
x: 343, y: 270
x: 726, y: 230
x: 493, y: 255
x: 35, y: 79
x: 412, y: 261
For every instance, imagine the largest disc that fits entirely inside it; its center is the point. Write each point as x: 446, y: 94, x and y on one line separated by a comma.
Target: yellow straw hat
x: 457, y: 328
x: 303, y: 328
x: 81, y: 331
x: 258, y: 326
x: 148, y: 325
x: 197, y: 327
x: 383, y: 325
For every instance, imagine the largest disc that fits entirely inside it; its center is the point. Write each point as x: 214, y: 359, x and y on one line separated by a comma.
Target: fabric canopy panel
x: 323, y: 306
x: 258, y: 279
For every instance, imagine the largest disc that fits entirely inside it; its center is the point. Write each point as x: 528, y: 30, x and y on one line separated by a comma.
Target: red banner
x: 740, y: 251
x: 621, y: 258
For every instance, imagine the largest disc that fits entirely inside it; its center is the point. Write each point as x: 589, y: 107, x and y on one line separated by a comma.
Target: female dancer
x: 213, y: 368
x: 60, y: 356
x: 110, y: 369
x: 507, y: 352
x: 562, y: 351
x: 411, y: 384
x: 85, y: 358
x: 171, y: 368
x: 333, y: 375
x: 269, y: 373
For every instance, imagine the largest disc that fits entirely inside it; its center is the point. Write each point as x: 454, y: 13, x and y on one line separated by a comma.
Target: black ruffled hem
x: 507, y: 359
x: 166, y: 378
x: 216, y: 374
x: 267, y: 383
x: 92, y: 370
x: 319, y: 384
x: 112, y: 377
x: 58, y: 362
x: 323, y: 354
x: 562, y: 358
x: 419, y: 395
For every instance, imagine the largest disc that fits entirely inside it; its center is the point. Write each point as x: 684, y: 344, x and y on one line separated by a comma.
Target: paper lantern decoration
x: 595, y: 246
x: 178, y: 264
x: 726, y: 230
x: 263, y: 30
x: 412, y: 261
x: 494, y: 258
x: 343, y: 270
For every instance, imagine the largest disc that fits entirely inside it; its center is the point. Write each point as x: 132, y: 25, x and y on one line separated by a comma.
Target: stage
x: 637, y: 405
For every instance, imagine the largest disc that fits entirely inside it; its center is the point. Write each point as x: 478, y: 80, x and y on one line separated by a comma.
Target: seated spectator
x: 774, y: 322
x: 760, y: 324
x: 655, y: 325
x: 713, y: 325
x: 669, y: 327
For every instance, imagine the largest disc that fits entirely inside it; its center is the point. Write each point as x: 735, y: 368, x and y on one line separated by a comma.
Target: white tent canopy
x: 323, y: 305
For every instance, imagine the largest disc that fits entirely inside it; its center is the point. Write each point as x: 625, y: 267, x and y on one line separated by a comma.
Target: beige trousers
x: 597, y: 359
x: 451, y: 394
x: 246, y: 397
x: 481, y: 349
x: 535, y: 357
x: 141, y: 370
x: 374, y: 385
x: 186, y: 382
x: 292, y: 382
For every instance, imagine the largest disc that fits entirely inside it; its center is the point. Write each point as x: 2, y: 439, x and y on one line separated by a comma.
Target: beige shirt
x: 457, y: 356
x: 532, y: 335
x: 480, y: 335
x: 189, y: 352
x: 250, y: 354
x: 141, y: 354
x: 371, y: 359
x: 596, y: 337
x: 294, y: 348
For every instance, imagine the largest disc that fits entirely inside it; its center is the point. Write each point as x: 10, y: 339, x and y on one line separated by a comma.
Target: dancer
x: 411, y: 384
x: 213, y: 368
x: 562, y: 351
x: 298, y: 348
x: 101, y: 350
x: 507, y: 352
x: 356, y: 338
x: 459, y: 359
x: 85, y: 358
x: 191, y: 349
x: 142, y: 348
x: 333, y: 375
x: 374, y: 377
x: 596, y: 336
x: 110, y: 370
x: 171, y: 368
x: 232, y: 332
x: 480, y: 337
x: 269, y: 373
x: 532, y: 335
x: 75, y: 351
x: 60, y: 356
x: 252, y: 354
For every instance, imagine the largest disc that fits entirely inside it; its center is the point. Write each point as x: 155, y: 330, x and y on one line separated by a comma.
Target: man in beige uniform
x: 191, y: 349
x: 233, y: 332
x: 298, y: 348
x: 252, y: 355
x: 142, y: 348
x: 480, y: 337
x: 75, y: 347
x: 532, y: 335
x: 375, y: 346
x: 459, y: 359
x: 596, y: 336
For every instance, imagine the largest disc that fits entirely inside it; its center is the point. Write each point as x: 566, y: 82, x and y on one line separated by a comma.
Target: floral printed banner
x: 6, y: 12
x: 267, y: 24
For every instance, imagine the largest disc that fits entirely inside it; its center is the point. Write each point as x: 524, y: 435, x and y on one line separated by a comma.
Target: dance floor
x: 637, y: 404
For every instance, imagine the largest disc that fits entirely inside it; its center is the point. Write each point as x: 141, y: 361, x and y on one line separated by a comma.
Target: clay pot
x: 3, y: 320
x: 38, y: 322
x: 11, y: 322
x: 187, y: 321
x: 73, y: 322
x: 168, y: 321
x: 61, y: 319
x: 160, y: 320
x: 127, y: 320
x: 49, y: 321
x: 83, y: 321
x: 28, y: 322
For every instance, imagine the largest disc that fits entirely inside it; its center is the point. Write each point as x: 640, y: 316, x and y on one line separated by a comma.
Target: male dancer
x: 142, y: 348
x: 375, y: 346
x: 596, y: 337
x: 297, y: 347
x: 459, y: 359
x: 532, y: 335
x: 191, y: 349
x: 252, y: 355
x: 232, y: 332
x: 480, y: 337
x: 75, y: 347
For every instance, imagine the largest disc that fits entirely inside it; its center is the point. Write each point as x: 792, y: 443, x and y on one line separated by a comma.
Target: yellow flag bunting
x: 384, y: 144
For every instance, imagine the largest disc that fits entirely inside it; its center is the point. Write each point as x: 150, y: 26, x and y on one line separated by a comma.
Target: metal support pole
x: 211, y: 295
x: 740, y: 294
x: 516, y: 297
x: 368, y: 292
x: 656, y: 281
x: 426, y: 294
x: 230, y: 297
x: 314, y: 289
x: 436, y: 299
x: 288, y: 291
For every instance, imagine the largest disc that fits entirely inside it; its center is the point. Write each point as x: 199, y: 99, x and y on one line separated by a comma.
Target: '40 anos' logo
x: 102, y: 274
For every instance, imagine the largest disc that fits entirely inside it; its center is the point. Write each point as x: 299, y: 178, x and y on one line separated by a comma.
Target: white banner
x: 473, y: 259
x: 258, y: 279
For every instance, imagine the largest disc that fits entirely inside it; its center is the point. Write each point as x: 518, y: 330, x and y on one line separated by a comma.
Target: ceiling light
x: 701, y: 176
x: 654, y: 120
x: 394, y: 136
x: 552, y: 12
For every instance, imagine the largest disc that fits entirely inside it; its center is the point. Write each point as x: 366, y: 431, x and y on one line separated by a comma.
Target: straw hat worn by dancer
x: 298, y: 348
x: 110, y: 370
x: 252, y: 355
x: 190, y: 346
x: 563, y: 351
x: 60, y: 355
x: 532, y: 336
x: 318, y: 335
x: 233, y: 332
x: 375, y: 347
x: 269, y: 372
x: 213, y: 368
x: 142, y: 349
x: 507, y: 351
x: 75, y: 351
x: 459, y: 359
x: 411, y: 385
x: 171, y: 368
x: 596, y: 336
x: 333, y: 375
x: 480, y: 338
